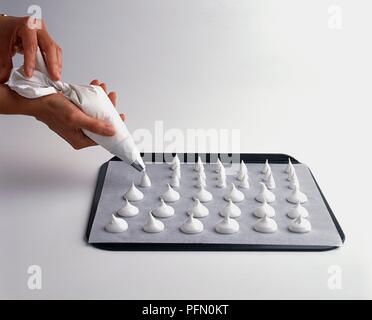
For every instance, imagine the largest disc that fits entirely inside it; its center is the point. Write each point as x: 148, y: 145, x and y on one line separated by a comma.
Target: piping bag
x: 91, y: 99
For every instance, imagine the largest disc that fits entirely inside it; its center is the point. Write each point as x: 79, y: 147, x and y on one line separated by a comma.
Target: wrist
x: 13, y: 103
x: 39, y: 107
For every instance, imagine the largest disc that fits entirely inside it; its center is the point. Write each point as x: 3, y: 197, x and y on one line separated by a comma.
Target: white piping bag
x: 91, y: 99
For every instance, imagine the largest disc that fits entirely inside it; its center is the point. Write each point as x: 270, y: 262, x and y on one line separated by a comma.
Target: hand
x: 67, y: 120
x: 17, y: 35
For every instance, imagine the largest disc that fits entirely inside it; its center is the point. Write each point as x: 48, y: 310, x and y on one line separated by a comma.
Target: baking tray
x: 255, y: 241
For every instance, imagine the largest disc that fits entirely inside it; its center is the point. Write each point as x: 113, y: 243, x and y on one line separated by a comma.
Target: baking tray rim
x: 246, y: 157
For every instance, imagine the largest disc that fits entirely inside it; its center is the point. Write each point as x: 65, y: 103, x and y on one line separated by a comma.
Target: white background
x: 273, y: 69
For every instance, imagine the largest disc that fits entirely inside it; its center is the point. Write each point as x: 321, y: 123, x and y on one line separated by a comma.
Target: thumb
x: 6, y: 66
x: 94, y: 125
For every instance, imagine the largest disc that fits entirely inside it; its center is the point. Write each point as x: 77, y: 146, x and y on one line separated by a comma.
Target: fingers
x: 103, y: 86
x: 94, y: 82
x: 31, y: 39
x: 80, y: 120
x: 30, y: 45
x: 52, y: 54
x: 112, y: 97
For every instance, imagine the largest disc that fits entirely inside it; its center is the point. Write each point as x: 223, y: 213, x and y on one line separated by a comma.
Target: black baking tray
x: 192, y: 157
